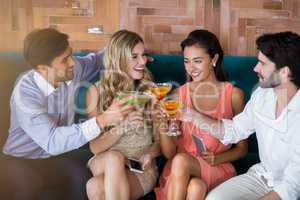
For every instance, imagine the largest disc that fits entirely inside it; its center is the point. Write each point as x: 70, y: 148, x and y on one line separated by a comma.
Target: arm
x: 240, y: 149
x: 90, y: 65
x: 155, y: 149
x: 288, y: 188
x: 168, y: 143
x: 228, y: 131
x: 105, y: 141
x: 44, y: 129
x: 110, y: 137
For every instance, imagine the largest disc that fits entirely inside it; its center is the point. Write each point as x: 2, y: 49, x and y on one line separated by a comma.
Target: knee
x: 197, y: 188
x: 110, y: 160
x: 180, y: 164
x: 115, y: 158
x: 95, y: 188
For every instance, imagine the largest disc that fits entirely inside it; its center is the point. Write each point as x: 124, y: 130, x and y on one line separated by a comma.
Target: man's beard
x: 271, y: 82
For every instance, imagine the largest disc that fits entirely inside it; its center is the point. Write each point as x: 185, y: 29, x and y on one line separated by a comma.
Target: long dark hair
x: 211, y: 44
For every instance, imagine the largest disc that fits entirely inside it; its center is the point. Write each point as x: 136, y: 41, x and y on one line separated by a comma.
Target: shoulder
x: 238, y: 95
x: 93, y: 90
x: 26, y: 86
x: 180, y: 89
x: 261, y: 94
x: 26, y: 93
x: 238, y: 100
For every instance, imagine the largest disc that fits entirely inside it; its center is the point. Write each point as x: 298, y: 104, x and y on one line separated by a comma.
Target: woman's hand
x: 210, y: 157
x: 133, y: 121
x: 160, y: 118
x: 146, y: 161
x: 188, y: 115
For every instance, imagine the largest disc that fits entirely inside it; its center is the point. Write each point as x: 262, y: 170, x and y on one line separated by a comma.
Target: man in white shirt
x: 273, y: 112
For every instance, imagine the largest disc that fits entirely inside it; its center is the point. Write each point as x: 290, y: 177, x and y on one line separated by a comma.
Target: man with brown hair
x: 39, y: 152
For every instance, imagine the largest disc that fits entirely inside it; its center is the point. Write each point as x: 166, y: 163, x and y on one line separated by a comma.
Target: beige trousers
x: 248, y: 186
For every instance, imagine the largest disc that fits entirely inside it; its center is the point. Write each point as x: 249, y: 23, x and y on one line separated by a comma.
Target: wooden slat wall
x: 243, y: 21
x: 18, y: 17
x: 162, y: 23
x: 165, y: 23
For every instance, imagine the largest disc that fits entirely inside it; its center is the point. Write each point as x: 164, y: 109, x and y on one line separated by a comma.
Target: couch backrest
x: 12, y: 64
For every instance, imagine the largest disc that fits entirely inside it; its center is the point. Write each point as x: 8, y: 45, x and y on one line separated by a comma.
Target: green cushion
x: 240, y: 72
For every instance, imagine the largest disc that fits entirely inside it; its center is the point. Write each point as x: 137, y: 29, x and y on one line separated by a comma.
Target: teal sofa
x: 164, y: 68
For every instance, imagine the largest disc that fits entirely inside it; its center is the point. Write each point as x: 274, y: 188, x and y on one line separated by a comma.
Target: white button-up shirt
x: 278, y: 140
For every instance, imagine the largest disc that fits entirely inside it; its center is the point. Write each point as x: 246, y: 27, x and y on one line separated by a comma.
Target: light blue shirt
x: 42, y: 117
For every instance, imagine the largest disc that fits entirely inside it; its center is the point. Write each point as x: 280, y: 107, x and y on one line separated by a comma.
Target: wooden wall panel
x: 19, y: 17
x: 243, y: 21
x: 161, y: 22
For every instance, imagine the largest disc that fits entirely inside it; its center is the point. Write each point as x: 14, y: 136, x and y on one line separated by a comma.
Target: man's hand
x: 115, y: 113
x: 204, y: 122
x: 188, y: 115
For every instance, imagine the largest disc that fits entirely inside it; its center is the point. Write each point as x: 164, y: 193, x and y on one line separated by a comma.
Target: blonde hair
x: 116, y: 58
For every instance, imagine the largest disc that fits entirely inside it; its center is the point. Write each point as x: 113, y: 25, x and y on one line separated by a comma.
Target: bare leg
x: 183, y: 167
x: 95, y: 188
x: 196, y: 189
x: 136, y: 190
x: 111, y: 164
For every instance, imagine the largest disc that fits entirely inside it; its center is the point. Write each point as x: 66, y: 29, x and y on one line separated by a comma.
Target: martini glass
x: 172, y: 104
x: 160, y: 90
x: 139, y: 99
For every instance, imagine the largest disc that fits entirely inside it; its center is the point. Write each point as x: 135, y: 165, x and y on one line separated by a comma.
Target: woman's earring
x: 214, y: 64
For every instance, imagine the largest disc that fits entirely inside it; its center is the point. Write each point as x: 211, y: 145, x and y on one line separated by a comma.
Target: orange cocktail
x: 172, y: 104
x: 160, y: 90
x: 172, y: 107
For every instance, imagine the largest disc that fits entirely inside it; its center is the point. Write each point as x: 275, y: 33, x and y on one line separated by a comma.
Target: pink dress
x: 212, y: 175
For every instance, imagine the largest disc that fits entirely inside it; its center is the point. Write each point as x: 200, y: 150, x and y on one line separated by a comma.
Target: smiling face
x: 61, y: 68
x: 198, y: 63
x: 266, y: 70
x: 137, y: 62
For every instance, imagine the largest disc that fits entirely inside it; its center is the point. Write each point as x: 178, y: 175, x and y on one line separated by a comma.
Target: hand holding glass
x: 160, y: 90
x: 172, y: 104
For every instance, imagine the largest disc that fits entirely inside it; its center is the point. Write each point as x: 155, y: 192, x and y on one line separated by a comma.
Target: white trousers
x: 249, y: 186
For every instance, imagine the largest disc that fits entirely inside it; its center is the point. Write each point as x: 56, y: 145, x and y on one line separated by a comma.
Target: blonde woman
x: 135, y: 137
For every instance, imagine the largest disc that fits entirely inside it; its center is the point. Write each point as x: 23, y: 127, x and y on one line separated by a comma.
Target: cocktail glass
x: 172, y: 104
x: 160, y: 90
